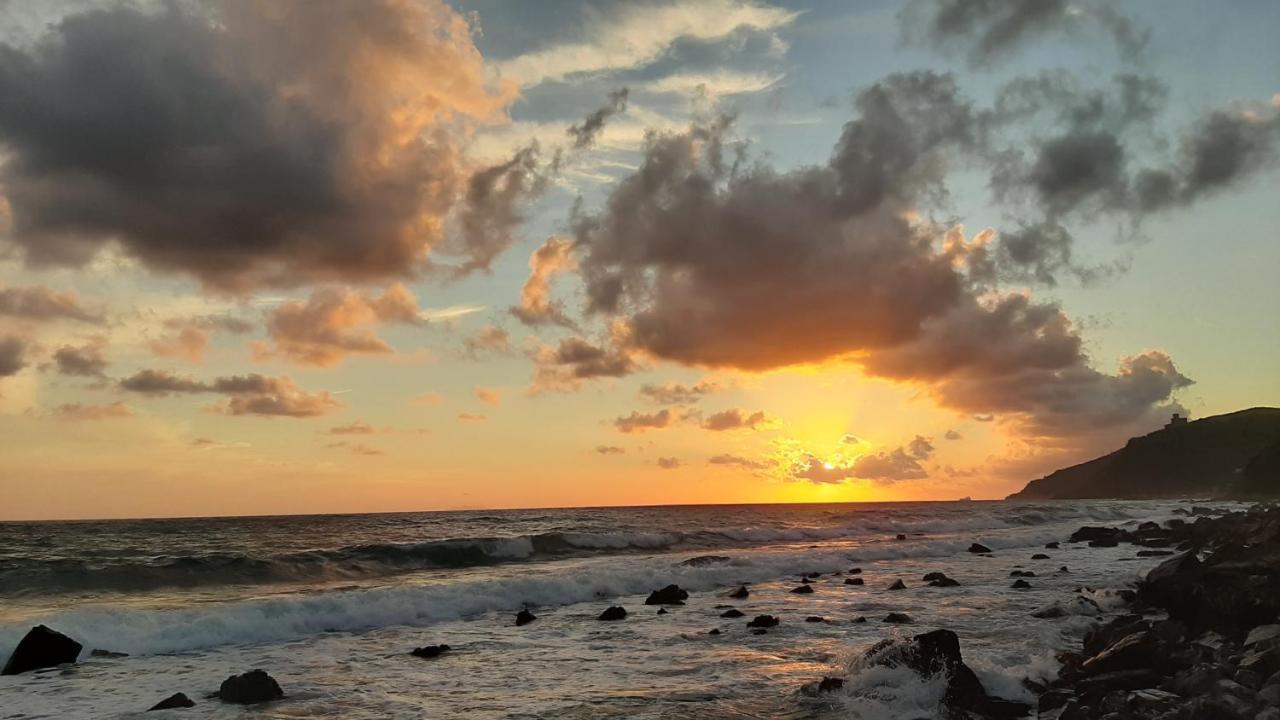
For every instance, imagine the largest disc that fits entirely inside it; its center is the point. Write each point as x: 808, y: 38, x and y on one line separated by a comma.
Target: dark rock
x: 524, y: 617
x: 938, y: 652
x: 669, y: 595
x: 1020, y: 585
x: 1136, y: 650
x: 41, y: 647
x: 661, y: 611
x: 613, y: 613
x: 859, y: 620
x: 1154, y: 553
x: 735, y: 613
x: 1092, y: 534
x: 855, y: 571
x: 898, y: 585
x: 1052, y: 545
x: 253, y: 687
x: 813, y: 575
x: 762, y: 621
x: 174, y: 701
x: 108, y: 654
x: 829, y: 684
x: 713, y: 631
x: 979, y: 548
x: 741, y: 593
x: 929, y: 577
x: 897, y: 618
x: 430, y: 651
x: 1103, y: 543
x: 1039, y: 556
x: 854, y: 581
x: 1099, y: 685
x: 1049, y: 612
x: 1022, y: 573
x: 815, y: 619
x: 943, y: 582
x: 805, y: 580
x: 1100, y: 637
x: 802, y: 590
x: 704, y: 560
x: 1261, y: 634
x: 901, y: 536
x: 1063, y: 570
x: 1149, y: 525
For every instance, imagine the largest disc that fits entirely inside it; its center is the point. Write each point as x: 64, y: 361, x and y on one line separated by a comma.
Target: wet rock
x: 661, y: 611
x: 107, y: 654
x: 979, y: 548
x: 901, y: 536
x: 1064, y: 570
x: 1049, y: 612
x: 704, y: 560
x: 1261, y: 634
x: 930, y: 577
x: 1094, y: 534
x: 713, y: 631
x: 898, y: 585
x: 1100, y: 637
x: 859, y: 620
x: 815, y: 619
x: 669, y: 595
x: 854, y: 581
x: 430, y: 651
x: 741, y: 593
x: 524, y: 617
x: 1022, y: 573
x: 805, y: 580
x: 1039, y: 556
x: 1020, y: 585
x: 173, y: 702
x: 897, y: 618
x: 1154, y: 553
x: 41, y: 647
x: 855, y: 571
x: 1052, y: 545
x: 813, y: 575
x: 1106, y: 543
x: 828, y: 684
x: 253, y: 687
x: 1099, y: 685
x: 735, y: 613
x: 613, y: 613
x: 943, y: 582
x: 762, y: 621
x: 936, y: 653
x: 1137, y: 650
x: 802, y: 590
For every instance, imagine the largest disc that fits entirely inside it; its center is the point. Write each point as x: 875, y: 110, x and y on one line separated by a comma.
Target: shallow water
x: 331, y: 605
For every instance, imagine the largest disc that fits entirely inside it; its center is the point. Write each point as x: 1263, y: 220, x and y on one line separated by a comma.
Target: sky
x: 391, y: 255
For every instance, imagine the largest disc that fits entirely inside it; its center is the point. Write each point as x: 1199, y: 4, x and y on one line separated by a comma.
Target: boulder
x: 1262, y: 633
x: 1137, y: 650
x: 524, y: 617
x: 859, y: 620
x: 979, y: 548
x: 762, y: 621
x: 802, y: 590
x: 613, y: 613
x: 1022, y: 573
x: 1104, y: 543
x: 898, y: 585
x: 943, y: 582
x: 255, y: 686
x: 661, y: 611
x: 1039, y: 556
x: 815, y: 619
x: 669, y: 595
x: 41, y: 647
x: 855, y: 571
x: 1020, y: 584
x: 938, y: 653
x: 828, y: 684
x: 734, y: 613
x: 854, y: 581
x: 805, y: 580
x: 930, y: 577
x: 1052, y: 545
x: 741, y: 593
x: 1092, y: 534
x: 901, y: 536
x: 897, y: 618
x: 430, y: 651
x: 174, y: 701
x: 713, y: 631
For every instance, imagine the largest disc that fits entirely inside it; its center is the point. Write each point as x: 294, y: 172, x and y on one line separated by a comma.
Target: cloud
x: 356, y: 427
x: 953, y: 435
x: 42, y: 304
x: 714, y: 84
x: 75, y: 412
x: 88, y: 360
x: 884, y: 467
x: 669, y: 463
x: 734, y: 419
x: 188, y: 337
x: 356, y: 448
x: 678, y: 393
x: 282, y: 169
x: 575, y: 360
x: 584, y: 134
x: 334, y: 323
x: 489, y: 396
x: 488, y: 340
x: 536, y: 306
x: 637, y: 35
x: 638, y: 422
x: 610, y: 450
x: 987, y: 30
x: 251, y: 394
x: 742, y: 462
x: 12, y: 351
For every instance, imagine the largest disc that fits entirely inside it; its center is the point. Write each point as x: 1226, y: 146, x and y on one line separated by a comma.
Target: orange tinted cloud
x: 334, y: 323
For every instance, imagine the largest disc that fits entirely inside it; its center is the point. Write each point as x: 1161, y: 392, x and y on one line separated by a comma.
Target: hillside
x: 1207, y: 457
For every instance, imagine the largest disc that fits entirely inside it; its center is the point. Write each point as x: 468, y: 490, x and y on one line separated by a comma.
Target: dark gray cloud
x: 734, y: 419
x: 638, y: 422
x: 40, y: 304
x: 251, y: 394
x: 610, y: 450
x: 12, y: 353
x: 574, y: 360
x: 243, y: 142
x: 675, y: 393
x: 987, y: 30
x: 87, y: 360
x: 739, y: 461
x: 584, y: 134
x: 669, y: 463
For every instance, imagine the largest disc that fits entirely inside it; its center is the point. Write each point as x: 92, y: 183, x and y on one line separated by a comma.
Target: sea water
x: 331, y: 606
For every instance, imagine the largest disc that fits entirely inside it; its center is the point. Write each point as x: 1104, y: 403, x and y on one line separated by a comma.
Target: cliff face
x: 1204, y: 457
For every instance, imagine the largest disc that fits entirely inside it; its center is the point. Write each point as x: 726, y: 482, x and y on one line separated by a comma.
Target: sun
x: 828, y: 466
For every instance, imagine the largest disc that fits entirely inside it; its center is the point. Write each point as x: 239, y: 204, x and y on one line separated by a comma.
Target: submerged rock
x: 898, y: 585
x: 741, y: 593
x: 41, y: 647
x: 713, y: 631
x: 174, y: 701
x: 828, y: 684
x: 1020, y: 585
x: 661, y: 611
x: 977, y: 548
x: 430, y: 651
x: 943, y: 582
x: 1040, y: 556
x: 763, y: 621
x: 734, y: 613
x: 524, y: 617
x: 815, y: 619
x: 859, y: 620
x: 669, y: 595
x: 898, y: 618
x: 854, y: 581
x: 855, y: 571
x: 704, y: 560
x: 613, y: 613
x: 1052, y: 545
x: 802, y: 590
x: 253, y: 687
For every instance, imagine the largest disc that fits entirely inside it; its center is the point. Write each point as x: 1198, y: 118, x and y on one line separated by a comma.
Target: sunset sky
x: 294, y: 257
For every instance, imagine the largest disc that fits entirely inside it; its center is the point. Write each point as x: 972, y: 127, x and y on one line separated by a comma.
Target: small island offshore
x: 1231, y: 456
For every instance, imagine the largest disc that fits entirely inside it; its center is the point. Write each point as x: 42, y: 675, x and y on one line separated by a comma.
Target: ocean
x: 331, y: 606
